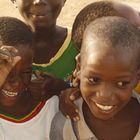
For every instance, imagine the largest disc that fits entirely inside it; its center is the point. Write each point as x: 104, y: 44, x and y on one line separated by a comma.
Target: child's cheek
x: 124, y: 95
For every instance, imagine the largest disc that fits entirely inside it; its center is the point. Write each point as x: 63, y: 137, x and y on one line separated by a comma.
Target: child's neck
x: 122, y: 122
x: 52, y: 43
x: 49, y: 32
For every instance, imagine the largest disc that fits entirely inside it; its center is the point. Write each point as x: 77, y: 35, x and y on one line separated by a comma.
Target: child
x: 86, y: 15
x: 22, y: 116
x: 42, y: 16
x: 108, y: 70
x: 54, y: 52
x: 101, y: 9
x: 60, y: 61
x: 54, y: 40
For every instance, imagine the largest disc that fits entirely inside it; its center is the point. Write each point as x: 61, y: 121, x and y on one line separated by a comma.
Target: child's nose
x: 106, y: 93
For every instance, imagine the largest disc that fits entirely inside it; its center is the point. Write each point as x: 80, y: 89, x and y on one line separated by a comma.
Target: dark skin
x: 15, y: 98
x: 107, y: 77
x: 41, y: 16
x: 48, y: 36
x: 51, y: 43
x: 120, y: 10
x: 17, y: 92
x: 117, y: 124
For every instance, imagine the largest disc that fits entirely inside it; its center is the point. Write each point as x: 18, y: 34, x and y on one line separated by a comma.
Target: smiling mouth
x: 9, y: 93
x: 38, y: 15
x: 104, y: 107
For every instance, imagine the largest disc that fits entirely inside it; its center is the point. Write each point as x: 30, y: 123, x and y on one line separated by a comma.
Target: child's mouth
x: 39, y: 15
x: 104, y: 107
x: 9, y: 93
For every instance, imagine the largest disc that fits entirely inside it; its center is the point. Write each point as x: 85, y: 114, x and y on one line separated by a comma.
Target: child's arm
x: 8, y: 60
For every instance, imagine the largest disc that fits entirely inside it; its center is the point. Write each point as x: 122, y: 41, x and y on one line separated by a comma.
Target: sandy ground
x: 69, y: 11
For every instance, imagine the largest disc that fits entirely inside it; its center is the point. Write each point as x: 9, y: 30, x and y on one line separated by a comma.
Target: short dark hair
x: 89, y: 14
x: 14, y: 32
x: 114, y: 32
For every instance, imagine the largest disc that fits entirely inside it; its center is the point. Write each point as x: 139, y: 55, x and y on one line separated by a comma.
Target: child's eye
x: 122, y: 84
x: 94, y: 80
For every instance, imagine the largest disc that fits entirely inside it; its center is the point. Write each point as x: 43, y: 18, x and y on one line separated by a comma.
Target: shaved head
x: 112, y: 32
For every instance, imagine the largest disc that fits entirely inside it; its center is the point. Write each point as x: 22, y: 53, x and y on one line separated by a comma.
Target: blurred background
x: 69, y: 11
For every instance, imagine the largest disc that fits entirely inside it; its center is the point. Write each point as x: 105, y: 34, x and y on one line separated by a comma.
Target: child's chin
x: 103, y: 115
x: 8, y: 102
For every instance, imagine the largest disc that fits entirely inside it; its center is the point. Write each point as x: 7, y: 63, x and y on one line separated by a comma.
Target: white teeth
x: 33, y: 16
x: 104, y: 107
x: 40, y: 16
x: 9, y: 93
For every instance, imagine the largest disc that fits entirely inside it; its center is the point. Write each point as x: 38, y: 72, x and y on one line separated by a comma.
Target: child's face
x: 40, y: 13
x: 107, y: 78
x: 18, y: 79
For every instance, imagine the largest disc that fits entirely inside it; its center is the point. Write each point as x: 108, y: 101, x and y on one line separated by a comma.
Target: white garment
x: 62, y: 128
x: 35, y: 129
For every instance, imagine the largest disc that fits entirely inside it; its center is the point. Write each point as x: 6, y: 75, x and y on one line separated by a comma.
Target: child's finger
x: 16, y: 60
x: 3, y: 58
x: 37, y: 74
x: 75, y: 95
x: 77, y: 118
x: 76, y: 82
x: 72, y: 114
x: 7, y: 53
x: 46, y: 75
x: 8, y: 48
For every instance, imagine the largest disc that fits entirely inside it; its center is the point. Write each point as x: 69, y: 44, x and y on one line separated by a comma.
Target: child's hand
x: 36, y: 89
x: 67, y: 106
x: 8, y: 60
x: 46, y: 86
x: 53, y: 84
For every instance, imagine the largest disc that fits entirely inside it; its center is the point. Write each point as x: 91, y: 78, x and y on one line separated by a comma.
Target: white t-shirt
x: 36, y: 128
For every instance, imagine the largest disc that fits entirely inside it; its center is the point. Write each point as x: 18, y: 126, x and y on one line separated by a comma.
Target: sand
x: 69, y: 11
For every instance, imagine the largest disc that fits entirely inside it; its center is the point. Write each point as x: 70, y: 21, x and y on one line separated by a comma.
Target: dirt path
x: 71, y: 8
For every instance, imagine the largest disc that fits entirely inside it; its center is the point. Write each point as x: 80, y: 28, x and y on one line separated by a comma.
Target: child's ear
x: 76, y: 73
x: 78, y: 64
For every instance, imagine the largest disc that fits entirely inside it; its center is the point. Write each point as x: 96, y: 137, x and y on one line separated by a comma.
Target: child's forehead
x: 96, y: 46
x: 96, y: 49
x: 109, y: 59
